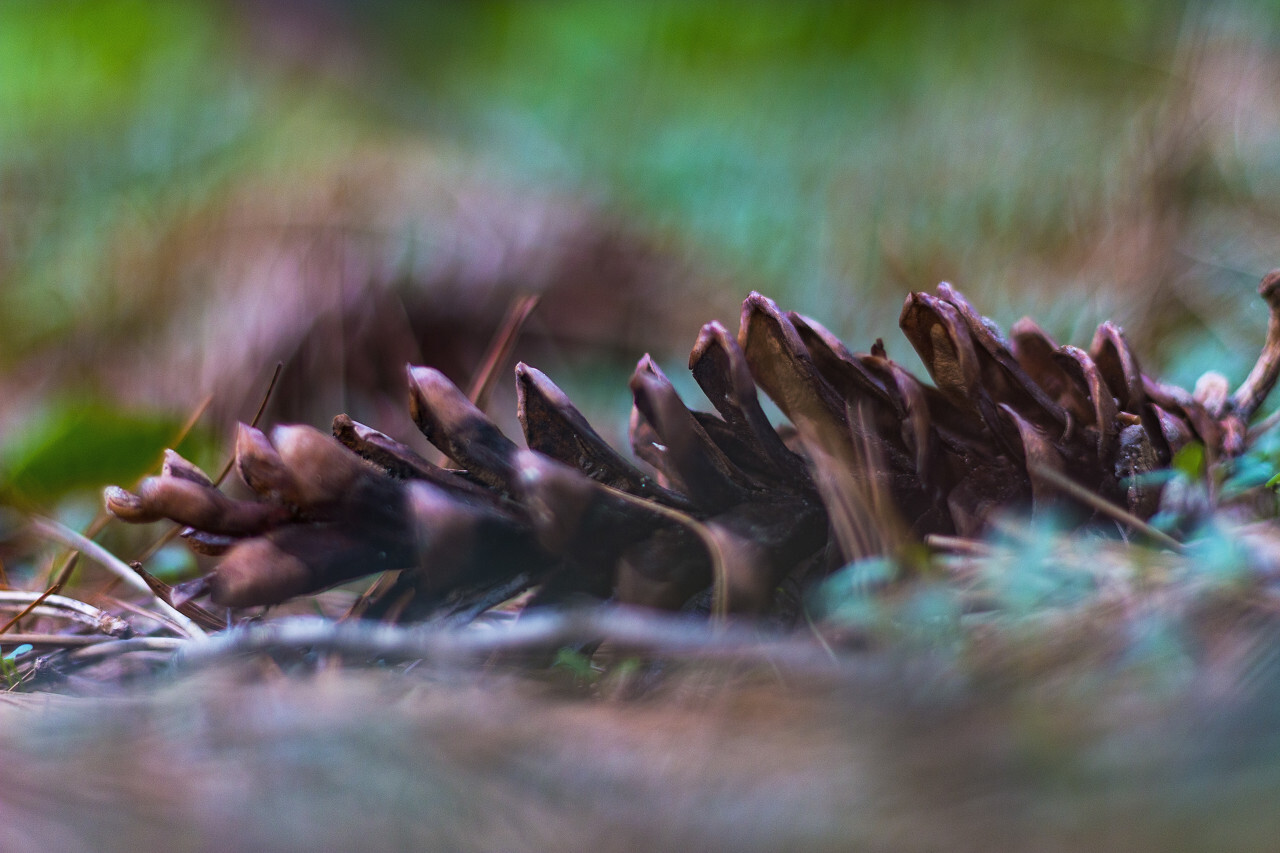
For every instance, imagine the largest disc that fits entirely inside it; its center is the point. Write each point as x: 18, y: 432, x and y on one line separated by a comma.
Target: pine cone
x: 874, y: 459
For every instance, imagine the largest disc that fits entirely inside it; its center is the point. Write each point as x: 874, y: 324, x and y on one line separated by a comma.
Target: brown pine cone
x: 874, y: 459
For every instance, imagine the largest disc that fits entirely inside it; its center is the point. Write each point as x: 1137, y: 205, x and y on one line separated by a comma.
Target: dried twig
x: 257, y: 416
x: 1263, y: 426
x: 164, y: 592
x: 49, y: 604
x: 168, y: 536
x: 720, y: 586
x: 30, y: 607
x: 150, y: 615
x: 94, y: 652
x: 68, y: 537
x: 1094, y: 501
x: 504, y: 342
x: 1254, y: 389
x: 69, y: 641
x: 958, y: 545
x: 498, y: 351
x: 629, y: 629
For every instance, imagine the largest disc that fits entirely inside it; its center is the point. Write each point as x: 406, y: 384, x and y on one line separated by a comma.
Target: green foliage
x: 785, y: 137
x: 9, y: 665
x: 1028, y: 572
x: 795, y: 143
x: 577, y: 665
x: 1189, y: 461
x: 861, y: 597
x: 118, y: 115
x: 1218, y: 559
x: 851, y: 595
x: 1263, y: 459
x: 68, y: 67
x: 72, y: 446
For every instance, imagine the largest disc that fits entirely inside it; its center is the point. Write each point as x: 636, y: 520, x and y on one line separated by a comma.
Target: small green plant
x: 577, y: 665
x: 9, y: 666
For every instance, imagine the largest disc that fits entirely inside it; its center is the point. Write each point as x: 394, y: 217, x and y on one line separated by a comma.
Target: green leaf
x: 1221, y: 560
x: 1028, y: 573
x: 9, y: 665
x: 576, y: 664
x: 73, y: 446
x: 1189, y: 461
x: 848, y: 596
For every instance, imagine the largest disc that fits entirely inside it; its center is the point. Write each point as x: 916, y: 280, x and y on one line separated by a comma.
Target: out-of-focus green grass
x: 1073, y: 161
x: 789, y: 137
x: 840, y: 154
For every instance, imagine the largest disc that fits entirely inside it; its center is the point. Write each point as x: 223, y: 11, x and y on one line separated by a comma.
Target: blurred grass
x: 1074, y: 161
x: 792, y: 140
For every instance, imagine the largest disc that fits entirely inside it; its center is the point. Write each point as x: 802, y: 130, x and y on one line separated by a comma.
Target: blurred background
x: 191, y: 191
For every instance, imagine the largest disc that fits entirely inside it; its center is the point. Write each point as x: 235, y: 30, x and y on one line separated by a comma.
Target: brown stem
x: 1095, y: 501
x: 169, y: 535
x: 32, y: 606
x: 1249, y: 396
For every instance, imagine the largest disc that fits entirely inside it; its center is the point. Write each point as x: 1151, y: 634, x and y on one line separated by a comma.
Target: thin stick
x: 504, y: 341
x: 158, y: 618
x: 719, y: 574
x: 164, y: 592
x: 1073, y: 489
x: 32, y: 606
x: 48, y: 604
x: 1255, y: 388
x: 498, y: 351
x: 257, y: 416
x: 96, y: 651
x: 168, y: 536
x: 68, y: 537
x: 63, y: 575
x: 631, y: 629
x: 164, y: 539
x: 958, y: 545
x: 1264, y: 426
x: 63, y: 640
x: 192, y: 419
x: 380, y: 585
